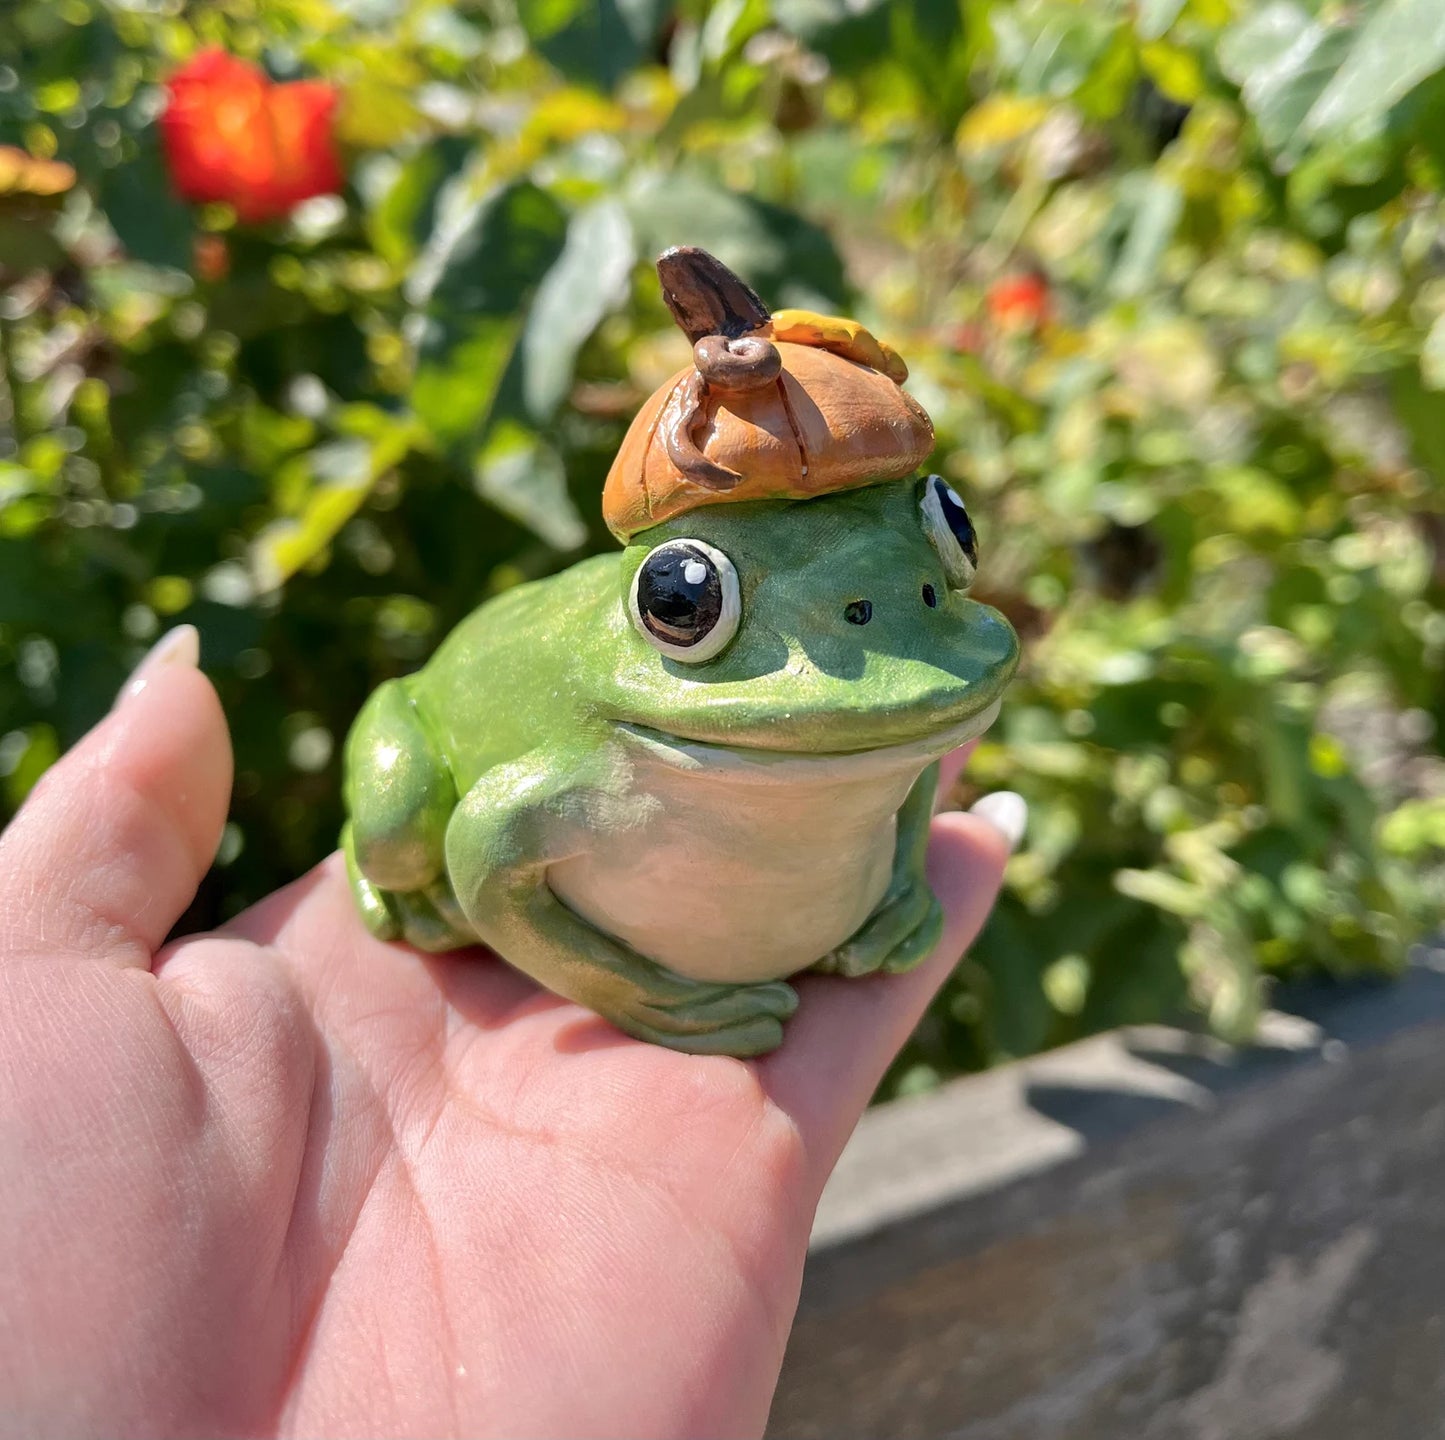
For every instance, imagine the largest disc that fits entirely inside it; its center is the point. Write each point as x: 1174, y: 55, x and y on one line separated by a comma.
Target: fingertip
x: 126, y: 823
x: 949, y: 769
x: 1007, y: 811
x: 847, y: 1031
x: 179, y: 647
x: 964, y: 849
x: 170, y: 734
x: 965, y: 864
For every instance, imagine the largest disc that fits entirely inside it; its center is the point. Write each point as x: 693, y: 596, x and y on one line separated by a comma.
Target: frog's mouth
x: 756, y: 764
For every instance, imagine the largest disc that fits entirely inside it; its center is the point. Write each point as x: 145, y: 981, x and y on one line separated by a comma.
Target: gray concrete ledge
x: 1147, y: 1237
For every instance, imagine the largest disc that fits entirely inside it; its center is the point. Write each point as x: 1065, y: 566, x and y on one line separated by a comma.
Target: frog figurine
x: 660, y: 783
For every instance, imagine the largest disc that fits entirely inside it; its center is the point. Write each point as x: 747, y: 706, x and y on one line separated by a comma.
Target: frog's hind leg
x: 400, y: 794
x: 908, y: 921
x: 432, y: 920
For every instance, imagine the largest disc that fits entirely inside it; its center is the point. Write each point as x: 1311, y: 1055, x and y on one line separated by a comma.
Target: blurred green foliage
x: 1205, y: 467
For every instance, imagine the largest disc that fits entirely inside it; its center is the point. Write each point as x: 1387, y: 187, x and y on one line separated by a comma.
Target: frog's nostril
x: 858, y: 612
x: 930, y: 596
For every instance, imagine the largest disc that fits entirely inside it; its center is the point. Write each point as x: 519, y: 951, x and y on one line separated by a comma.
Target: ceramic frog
x: 660, y: 784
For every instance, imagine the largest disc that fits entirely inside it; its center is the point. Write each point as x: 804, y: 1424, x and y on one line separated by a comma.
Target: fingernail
x: 1007, y: 811
x: 180, y: 646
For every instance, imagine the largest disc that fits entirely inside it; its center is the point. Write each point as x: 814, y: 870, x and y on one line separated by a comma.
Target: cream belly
x: 750, y: 865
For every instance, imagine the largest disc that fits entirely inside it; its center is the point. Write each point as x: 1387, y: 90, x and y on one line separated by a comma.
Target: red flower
x: 232, y: 134
x: 1020, y: 302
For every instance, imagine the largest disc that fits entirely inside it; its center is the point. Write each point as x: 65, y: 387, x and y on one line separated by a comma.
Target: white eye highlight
x: 951, y: 532
x: 685, y: 600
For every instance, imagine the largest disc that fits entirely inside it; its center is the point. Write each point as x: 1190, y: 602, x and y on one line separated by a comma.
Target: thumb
x: 108, y: 849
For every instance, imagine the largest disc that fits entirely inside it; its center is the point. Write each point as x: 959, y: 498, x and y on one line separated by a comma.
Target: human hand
x: 287, y: 1178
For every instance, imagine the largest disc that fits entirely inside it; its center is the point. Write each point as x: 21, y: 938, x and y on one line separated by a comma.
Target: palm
x: 312, y: 1182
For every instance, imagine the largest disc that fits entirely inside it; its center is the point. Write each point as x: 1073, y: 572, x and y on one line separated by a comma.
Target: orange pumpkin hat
x: 774, y: 407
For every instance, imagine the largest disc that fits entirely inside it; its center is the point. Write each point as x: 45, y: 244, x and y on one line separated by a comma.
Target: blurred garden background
x: 321, y: 321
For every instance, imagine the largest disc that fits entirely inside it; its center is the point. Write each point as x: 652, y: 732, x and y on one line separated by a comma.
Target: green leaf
x: 1282, y: 59
x: 151, y: 222
x: 1423, y: 417
x: 41, y: 749
x: 336, y: 479
x: 1159, y: 888
x: 472, y: 285
x: 1432, y: 356
x: 815, y: 22
x: 1156, y: 16
x: 27, y: 237
x: 594, y: 41
x: 524, y: 477
x: 589, y: 280
x: 781, y: 255
x: 405, y: 213
x: 460, y: 369
x: 1009, y: 956
x: 1414, y: 828
x: 855, y: 35
x: 487, y: 251
x: 1156, y: 214
x: 1399, y: 45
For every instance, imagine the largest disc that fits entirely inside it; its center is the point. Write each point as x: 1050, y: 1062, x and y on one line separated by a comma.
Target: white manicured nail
x: 1008, y: 813
x: 180, y: 646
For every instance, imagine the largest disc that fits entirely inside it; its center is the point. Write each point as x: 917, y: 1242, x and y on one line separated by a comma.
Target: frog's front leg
x: 399, y: 795
x: 505, y: 834
x: 908, y: 921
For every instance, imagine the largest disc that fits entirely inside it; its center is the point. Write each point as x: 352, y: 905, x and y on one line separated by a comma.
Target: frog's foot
x: 429, y: 919
x: 376, y: 914
x: 702, y: 1018
x: 894, y: 938
x: 432, y: 920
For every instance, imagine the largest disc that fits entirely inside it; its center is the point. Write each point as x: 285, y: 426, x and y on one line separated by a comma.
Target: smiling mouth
x: 754, y: 761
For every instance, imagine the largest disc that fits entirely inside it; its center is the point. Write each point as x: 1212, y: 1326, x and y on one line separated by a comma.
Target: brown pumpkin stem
x: 745, y: 364
x: 720, y: 315
x: 705, y: 297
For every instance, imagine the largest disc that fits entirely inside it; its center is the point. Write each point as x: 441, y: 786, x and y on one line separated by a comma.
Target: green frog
x: 661, y: 784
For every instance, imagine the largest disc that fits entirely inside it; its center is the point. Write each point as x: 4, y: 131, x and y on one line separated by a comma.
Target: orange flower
x: 1020, y: 302
x: 232, y: 134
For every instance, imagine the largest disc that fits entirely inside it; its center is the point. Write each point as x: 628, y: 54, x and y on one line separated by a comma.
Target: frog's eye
x: 950, y: 530
x: 685, y: 601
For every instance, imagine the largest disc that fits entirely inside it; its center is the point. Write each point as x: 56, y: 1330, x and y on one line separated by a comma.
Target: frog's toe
x: 376, y: 913
x: 737, y: 1004
x: 758, y: 1036
x: 716, y: 1019
x: 916, y: 947
x: 755, y: 1035
x: 431, y: 920
x: 878, y: 940
x: 774, y: 999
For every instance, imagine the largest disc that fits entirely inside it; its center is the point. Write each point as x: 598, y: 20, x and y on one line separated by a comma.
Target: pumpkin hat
x: 781, y: 406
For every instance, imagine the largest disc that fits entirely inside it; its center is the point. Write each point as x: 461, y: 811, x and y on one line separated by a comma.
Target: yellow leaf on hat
x: 843, y: 337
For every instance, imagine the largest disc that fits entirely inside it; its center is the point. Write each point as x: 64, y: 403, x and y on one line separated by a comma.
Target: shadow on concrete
x: 1331, y: 1018
x: 1101, y: 1114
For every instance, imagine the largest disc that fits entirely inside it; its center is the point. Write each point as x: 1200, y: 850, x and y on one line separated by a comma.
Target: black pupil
x: 958, y: 520
x: 679, y: 594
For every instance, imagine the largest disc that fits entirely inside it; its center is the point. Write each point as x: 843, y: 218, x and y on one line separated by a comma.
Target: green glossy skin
x: 505, y: 755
